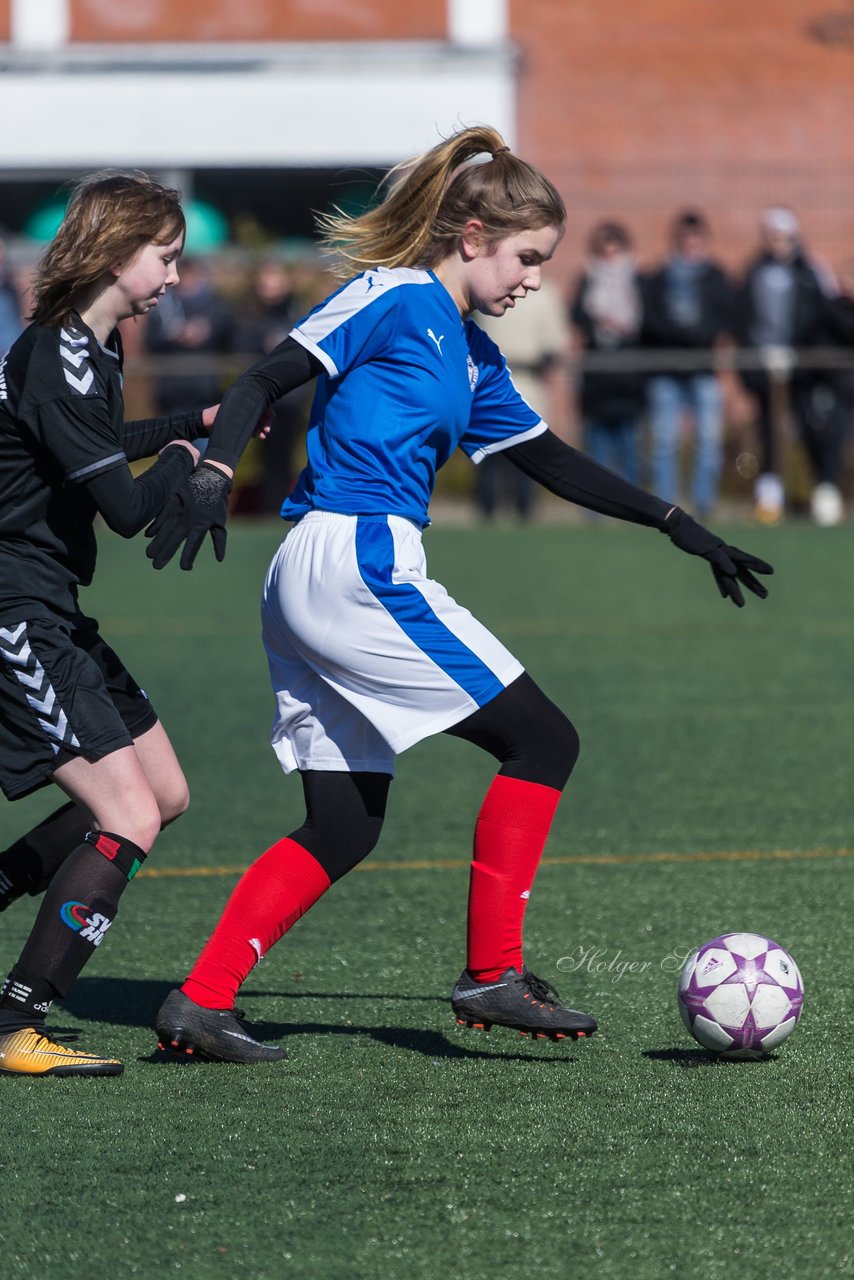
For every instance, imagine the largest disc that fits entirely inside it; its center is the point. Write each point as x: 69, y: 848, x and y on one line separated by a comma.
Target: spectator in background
x: 11, y: 325
x: 191, y: 320
x: 783, y: 305
x: 840, y: 322
x: 534, y: 338
x: 687, y: 304
x: 268, y: 317
x: 606, y: 310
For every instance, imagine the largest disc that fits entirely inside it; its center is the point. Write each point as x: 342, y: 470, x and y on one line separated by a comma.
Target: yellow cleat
x: 32, y: 1053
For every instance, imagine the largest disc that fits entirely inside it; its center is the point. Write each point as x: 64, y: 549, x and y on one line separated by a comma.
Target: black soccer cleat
x: 521, y: 1001
x: 185, y: 1027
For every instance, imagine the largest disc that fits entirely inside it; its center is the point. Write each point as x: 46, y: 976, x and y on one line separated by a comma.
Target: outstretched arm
x: 575, y: 476
x: 200, y: 505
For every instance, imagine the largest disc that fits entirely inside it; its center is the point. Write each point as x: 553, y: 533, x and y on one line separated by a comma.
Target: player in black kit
x: 69, y: 711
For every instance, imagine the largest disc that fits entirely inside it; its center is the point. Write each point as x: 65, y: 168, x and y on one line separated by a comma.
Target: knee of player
x: 339, y: 847
x: 141, y: 821
x: 367, y: 836
x: 572, y: 744
x: 346, y: 853
x: 173, y: 802
x: 564, y: 740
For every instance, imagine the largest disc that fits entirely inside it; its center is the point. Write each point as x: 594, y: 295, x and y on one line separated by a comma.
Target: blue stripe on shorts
x: 412, y: 613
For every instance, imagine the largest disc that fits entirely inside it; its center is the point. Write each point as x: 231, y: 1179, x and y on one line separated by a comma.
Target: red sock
x: 511, y: 832
x: 271, y: 896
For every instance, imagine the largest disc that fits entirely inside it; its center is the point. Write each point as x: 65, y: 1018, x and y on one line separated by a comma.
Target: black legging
x: 521, y: 727
x: 820, y: 419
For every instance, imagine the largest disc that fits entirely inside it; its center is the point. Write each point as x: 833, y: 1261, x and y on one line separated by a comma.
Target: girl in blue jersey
x: 367, y: 654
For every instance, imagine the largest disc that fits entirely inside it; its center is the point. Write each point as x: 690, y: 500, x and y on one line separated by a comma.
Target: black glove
x: 198, y: 507
x: 729, y: 565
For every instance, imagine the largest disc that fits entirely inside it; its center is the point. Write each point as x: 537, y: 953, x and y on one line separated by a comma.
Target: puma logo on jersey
x: 438, y: 341
x: 74, y: 355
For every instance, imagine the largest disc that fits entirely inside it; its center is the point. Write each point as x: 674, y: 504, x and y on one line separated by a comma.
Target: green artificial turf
x: 712, y: 794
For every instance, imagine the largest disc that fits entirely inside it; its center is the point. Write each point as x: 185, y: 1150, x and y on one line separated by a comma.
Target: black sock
x: 29, y: 865
x: 24, y: 1002
x: 78, y: 908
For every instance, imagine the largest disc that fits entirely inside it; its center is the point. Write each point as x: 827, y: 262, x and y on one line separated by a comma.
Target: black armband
x: 577, y: 478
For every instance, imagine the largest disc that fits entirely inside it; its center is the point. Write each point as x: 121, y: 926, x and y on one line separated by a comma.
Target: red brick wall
x: 153, y: 20
x: 637, y: 110
x: 634, y: 110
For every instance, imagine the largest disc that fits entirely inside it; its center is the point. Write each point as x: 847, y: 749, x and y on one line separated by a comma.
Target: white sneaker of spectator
x: 826, y: 506
x: 769, y: 498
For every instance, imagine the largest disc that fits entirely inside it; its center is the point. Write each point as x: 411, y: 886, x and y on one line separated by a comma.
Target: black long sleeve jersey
x: 64, y: 453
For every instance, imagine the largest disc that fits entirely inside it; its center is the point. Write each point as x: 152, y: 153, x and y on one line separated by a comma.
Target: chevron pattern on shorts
x: 15, y: 650
x: 73, y: 350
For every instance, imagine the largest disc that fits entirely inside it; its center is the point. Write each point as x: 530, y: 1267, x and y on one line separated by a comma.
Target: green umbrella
x: 43, y: 223
x: 207, y: 228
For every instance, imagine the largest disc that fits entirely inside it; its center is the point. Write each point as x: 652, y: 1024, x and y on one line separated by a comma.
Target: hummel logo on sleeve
x: 74, y: 355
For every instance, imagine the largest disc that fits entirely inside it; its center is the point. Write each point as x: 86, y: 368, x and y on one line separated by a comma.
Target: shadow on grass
x: 686, y: 1058
x: 133, y: 1002
x: 430, y: 1044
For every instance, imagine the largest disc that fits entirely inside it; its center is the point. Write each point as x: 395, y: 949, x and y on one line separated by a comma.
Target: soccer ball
x: 740, y: 995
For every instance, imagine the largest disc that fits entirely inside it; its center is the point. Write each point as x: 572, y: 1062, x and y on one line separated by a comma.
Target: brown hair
x: 433, y: 196
x: 605, y: 233
x: 109, y: 218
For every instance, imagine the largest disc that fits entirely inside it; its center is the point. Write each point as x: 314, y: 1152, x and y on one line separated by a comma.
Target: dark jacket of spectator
x: 606, y: 310
x: 701, y: 326
x: 192, y: 319
x: 807, y: 312
x: 606, y: 396
x: 839, y: 315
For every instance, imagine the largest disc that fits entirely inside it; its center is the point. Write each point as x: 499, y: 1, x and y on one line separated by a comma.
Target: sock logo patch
x: 108, y: 847
x: 91, y: 925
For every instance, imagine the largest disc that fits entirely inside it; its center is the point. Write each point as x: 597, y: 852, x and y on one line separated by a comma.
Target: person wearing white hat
x: 782, y: 308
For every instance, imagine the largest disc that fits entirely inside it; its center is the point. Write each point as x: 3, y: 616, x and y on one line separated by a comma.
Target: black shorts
x: 63, y: 693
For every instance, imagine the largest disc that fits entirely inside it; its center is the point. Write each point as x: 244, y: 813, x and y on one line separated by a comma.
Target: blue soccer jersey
x: 406, y: 381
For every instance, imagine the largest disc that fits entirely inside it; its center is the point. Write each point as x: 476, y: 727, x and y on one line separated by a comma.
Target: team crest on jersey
x: 474, y: 373
x: 73, y: 351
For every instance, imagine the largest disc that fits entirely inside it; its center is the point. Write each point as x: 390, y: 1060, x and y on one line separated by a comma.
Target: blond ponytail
x: 430, y: 198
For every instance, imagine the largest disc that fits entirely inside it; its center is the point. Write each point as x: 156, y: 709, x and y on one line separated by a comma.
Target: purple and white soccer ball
x: 740, y: 995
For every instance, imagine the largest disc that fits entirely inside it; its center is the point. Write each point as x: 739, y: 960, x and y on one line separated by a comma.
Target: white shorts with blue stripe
x: 368, y: 655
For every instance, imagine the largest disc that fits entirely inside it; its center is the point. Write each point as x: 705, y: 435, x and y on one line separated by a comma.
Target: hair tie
x: 498, y: 151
